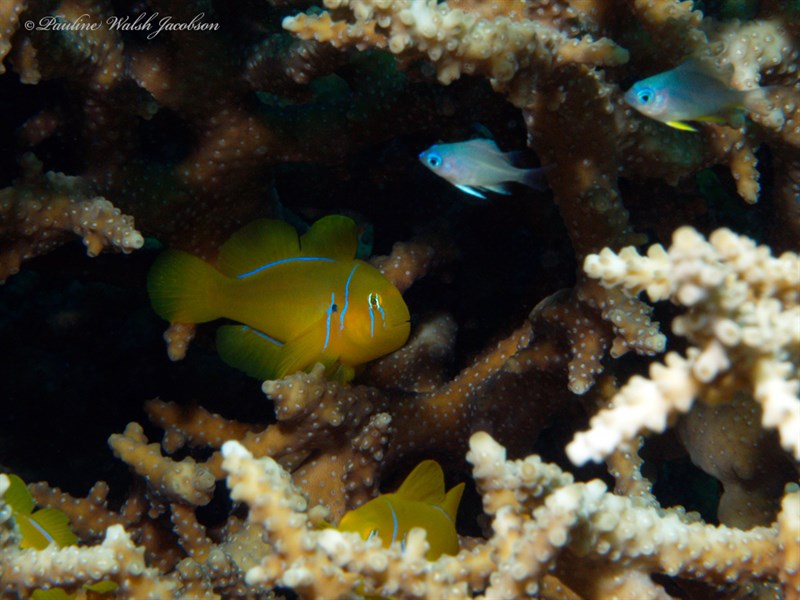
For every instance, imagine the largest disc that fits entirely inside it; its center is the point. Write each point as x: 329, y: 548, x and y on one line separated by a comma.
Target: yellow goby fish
x: 43, y: 527
x: 298, y: 301
x: 38, y: 528
x: 419, y: 502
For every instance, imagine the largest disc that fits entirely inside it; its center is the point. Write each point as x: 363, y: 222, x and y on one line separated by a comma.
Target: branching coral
x: 494, y: 40
x: 743, y: 323
x: 115, y: 559
x: 193, y: 133
x: 183, y: 481
x: 43, y: 210
x: 541, y: 521
x: 550, y: 69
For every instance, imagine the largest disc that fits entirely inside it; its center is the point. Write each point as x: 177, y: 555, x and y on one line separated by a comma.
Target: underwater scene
x: 407, y: 299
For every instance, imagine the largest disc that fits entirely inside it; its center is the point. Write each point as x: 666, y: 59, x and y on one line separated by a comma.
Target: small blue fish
x: 691, y: 92
x: 479, y: 165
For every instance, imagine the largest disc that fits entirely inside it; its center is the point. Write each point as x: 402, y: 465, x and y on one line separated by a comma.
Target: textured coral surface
x: 611, y: 364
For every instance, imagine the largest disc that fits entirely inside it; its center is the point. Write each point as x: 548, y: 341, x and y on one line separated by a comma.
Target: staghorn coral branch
x: 116, y: 559
x: 43, y: 211
x: 227, y: 109
x: 743, y: 310
x: 540, y: 517
x: 184, y: 481
x: 454, y: 40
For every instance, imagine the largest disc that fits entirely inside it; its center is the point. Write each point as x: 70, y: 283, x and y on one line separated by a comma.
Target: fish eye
x: 374, y: 300
x: 434, y: 160
x: 645, y: 96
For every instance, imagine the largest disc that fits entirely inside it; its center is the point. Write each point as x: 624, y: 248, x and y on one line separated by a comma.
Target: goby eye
x: 374, y: 301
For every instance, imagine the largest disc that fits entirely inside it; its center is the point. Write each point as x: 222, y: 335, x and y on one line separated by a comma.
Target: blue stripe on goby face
x: 284, y: 261
x: 371, y: 322
x: 346, y: 298
x: 331, y: 310
x: 394, y: 520
x: 261, y: 334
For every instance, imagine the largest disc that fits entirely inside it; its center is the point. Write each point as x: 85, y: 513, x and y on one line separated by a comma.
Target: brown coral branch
x: 43, y: 211
x: 184, y: 481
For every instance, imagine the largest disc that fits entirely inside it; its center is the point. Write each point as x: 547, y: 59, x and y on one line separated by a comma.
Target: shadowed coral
x: 194, y: 134
x: 42, y: 211
x: 572, y: 110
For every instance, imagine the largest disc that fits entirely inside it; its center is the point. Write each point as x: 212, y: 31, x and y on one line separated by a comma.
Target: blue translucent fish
x: 477, y: 166
x: 692, y: 92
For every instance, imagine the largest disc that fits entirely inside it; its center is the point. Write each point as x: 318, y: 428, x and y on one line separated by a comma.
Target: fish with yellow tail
x: 693, y: 92
x: 38, y: 528
x: 296, y: 301
x: 420, y: 501
x: 477, y: 166
x: 41, y: 528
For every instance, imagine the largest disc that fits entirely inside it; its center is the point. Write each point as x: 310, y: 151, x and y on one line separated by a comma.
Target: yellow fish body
x: 419, y: 502
x: 298, y: 301
x: 38, y: 528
